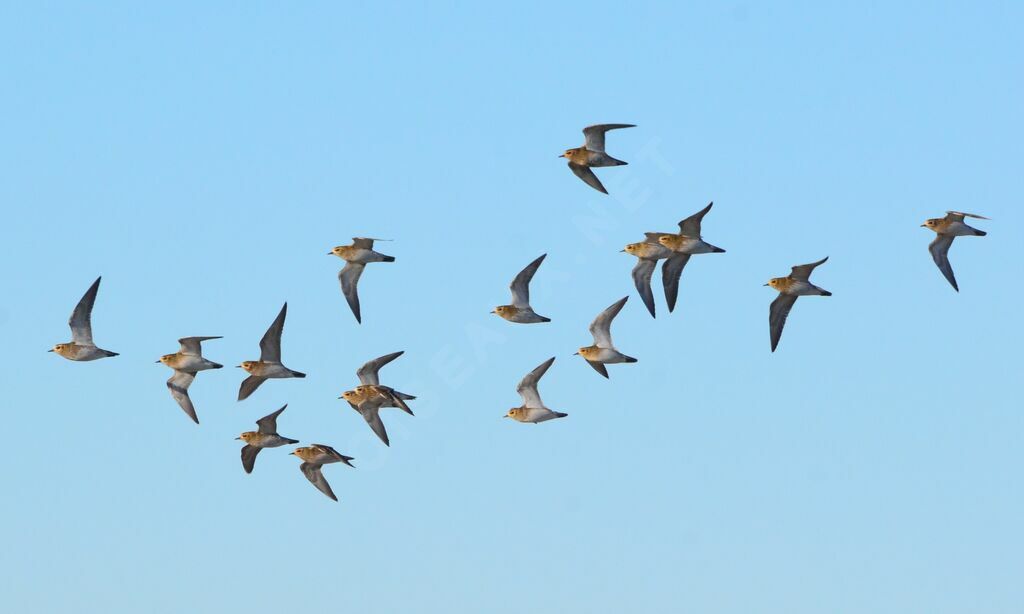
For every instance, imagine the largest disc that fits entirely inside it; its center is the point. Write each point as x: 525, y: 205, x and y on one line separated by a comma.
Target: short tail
x: 560, y: 414
x: 717, y: 250
x: 108, y: 353
x: 826, y: 293
x: 629, y: 359
x: 543, y: 319
x: 979, y: 233
x: 617, y: 162
x: 286, y: 440
x: 297, y: 374
x: 384, y: 258
x: 216, y: 366
x: 403, y: 396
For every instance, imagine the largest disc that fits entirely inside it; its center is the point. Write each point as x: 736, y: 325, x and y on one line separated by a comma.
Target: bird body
x: 81, y: 347
x: 603, y: 351
x: 796, y: 284
x: 946, y: 229
x: 269, y: 365
x: 356, y: 257
x: 592, y: 155
x: 520, y: 310
x: 187, y: 362
x: 314, y: 457
x: 370, y: 396
x: 265, y: 436
x: 533, y: 410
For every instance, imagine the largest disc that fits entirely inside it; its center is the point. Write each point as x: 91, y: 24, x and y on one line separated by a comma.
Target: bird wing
x: 777, y: 315
x: 958, y: 216
x: 363, y: 242
x: 334, y: 454
x: 520, y: 286
x: 599, y: 367
x: 691, y: 225
x: 81, y: 318
x: 940, y: 254
x: 595, y: 135
x: 178, y: 385
x: 249, y: 386
x: 601, y: 327
x: 642, y: 273
x: 249, y: 457
x: 802, y: 272
x: 671, y: 271
x: 268, y: 424
x: 316, y: 477
x: 191, y: 345
x: 270, y: 344
x: 588, y: 176
x: 349, y: 278
x: 527, y: 387
x: 371, y: 414
x: 367, y: 373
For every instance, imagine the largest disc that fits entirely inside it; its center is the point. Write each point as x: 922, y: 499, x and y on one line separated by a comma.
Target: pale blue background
x: 204, y: 160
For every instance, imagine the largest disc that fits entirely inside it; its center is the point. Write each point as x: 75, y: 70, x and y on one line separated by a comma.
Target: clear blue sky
x: 204, y: 160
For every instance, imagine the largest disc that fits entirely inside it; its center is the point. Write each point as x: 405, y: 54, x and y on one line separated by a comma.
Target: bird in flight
x: 269, y: 365
x: 356, y: 257
x: 533, y: 410
x: 796, y: 284
x: 683, y: 245
x: 946, y: 229
x: 81, y: 346
x: 592, y: 155
x: 316, y: 456
x: 186, y: 362
x: 520, y: 311
x: 603, y: 351
x: 265, y: 436
x: 370, y: 395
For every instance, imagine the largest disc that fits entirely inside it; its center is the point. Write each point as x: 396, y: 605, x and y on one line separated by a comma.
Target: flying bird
x: 592, y: 155
x: 520, y: 311
x: 648, y: 252
x: 946, y: 229
x: 316, y: 456
x: 186, y: 362
x: 533, y: 410
x: 789, y: 288
x: 603, y: 352
x: 269, y: 365
x: 356, y: 256
x: 370, y: 396
x: 683, y: 245
x: 265, y: 436
x: 81, y: 346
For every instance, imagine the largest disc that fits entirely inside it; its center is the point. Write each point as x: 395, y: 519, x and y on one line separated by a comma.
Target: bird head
x: 248, y: 436
x: 248, y: 365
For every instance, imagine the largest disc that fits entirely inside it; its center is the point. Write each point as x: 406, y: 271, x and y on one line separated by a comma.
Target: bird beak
x: 238, y: 366
x: 49, y: 350
x: 158, y: 361
x: 923, y: 225
x: 330, y: 253
x: 766, y: 284
x: 505, y: 416
x: 561, y: 155
x: 575, y: 353
x: 492, y: 311
x: 237, y: 438
x: 341, y: 397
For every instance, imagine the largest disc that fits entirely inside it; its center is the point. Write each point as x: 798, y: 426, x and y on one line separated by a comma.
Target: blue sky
x: 204, y: 160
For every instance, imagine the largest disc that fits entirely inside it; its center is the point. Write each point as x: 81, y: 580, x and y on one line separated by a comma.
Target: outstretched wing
x: 601, y: 327
x: 527, y: 387
x: 642, y: 273
x: 249, y: 386
x: 802, y: 272
x: 316, y: 477
x: 671, y: 271
x: 958, y: 216
x: 249, y: 457
x: 940, y: 254
x: 595, y: 134
x: 368, y: 373
x: 777, y: 315
x: 691, y: 225
x: 371, y: 414
x: 190, y: 346
x: 520, y: 286
x: 588, y: 176
x: 268, y: 424
x: 349, y: 278
x: 599, y: 367
x: 270, y: 344
x: 178, y: 385
x: 81, y: 318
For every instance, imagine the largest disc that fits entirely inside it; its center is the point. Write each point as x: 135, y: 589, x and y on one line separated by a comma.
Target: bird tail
x: 629, y: 358
x: 717, y: 250
x: 403, y: 396
x: 613, y: 162
x: 384, y: 258
x: 287, y: 440
x: 560, y: 414
x: 296, y: 373
x: 979, y: 233
x: 825, y: 293
x: 216, y: 365
x: 544, y: 319
x: 108, y: 354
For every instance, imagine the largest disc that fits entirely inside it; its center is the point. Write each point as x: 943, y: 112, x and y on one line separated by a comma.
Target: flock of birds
x: 370, y: 396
